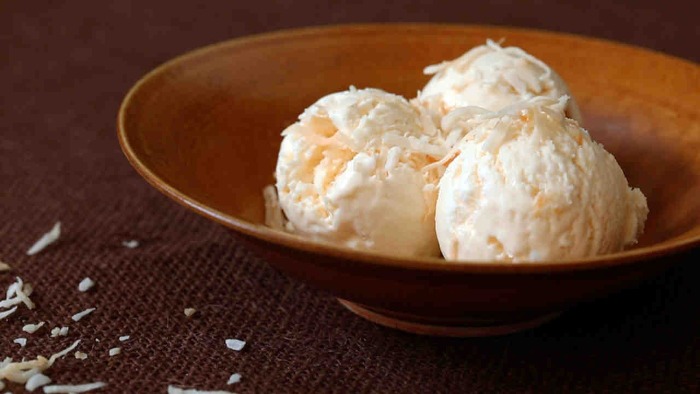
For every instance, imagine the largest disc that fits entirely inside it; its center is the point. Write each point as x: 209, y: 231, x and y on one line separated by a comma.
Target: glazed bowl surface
x: 204, y: 129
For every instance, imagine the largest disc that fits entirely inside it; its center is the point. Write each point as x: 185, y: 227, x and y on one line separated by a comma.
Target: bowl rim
x: 434, y: 264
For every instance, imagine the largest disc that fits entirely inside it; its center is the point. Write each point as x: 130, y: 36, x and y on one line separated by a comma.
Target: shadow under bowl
x: 204, y: 129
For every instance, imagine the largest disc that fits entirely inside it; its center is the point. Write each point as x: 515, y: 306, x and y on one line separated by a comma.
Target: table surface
x: 64, y: 68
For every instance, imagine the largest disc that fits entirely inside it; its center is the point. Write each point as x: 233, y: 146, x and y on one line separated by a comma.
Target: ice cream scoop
x: 492, y: 77
x: 350, y: 172
x: 528, y: 184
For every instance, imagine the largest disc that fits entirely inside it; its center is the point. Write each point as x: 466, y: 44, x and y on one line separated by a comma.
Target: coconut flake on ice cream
x: 350, y: 172
x: 528, y: 184
x: 492, y: 77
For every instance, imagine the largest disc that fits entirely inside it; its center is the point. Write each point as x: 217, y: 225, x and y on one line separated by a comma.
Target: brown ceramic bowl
x: 204, y: 129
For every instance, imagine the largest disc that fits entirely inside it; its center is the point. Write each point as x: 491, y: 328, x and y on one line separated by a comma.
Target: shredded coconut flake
x: 7, y: 313
x: 131, y: 244
x: 80, y: 355
x: 63, y: 352
x: 82, y: 314
x: 21, y: 341
x: 17, y: 293
x: 190, y: 311
x: 22, y: 371
x: 73, y: 388
x: 4, y: 267
x: 235, y: 344
x: 114, y: 351
x: 177, y: 390
x: 435, y: 68
x: 85, y: 284
x: 32, y: 328
x: 46, y: 240
x: 124, y: 338
x: 235, y: 378
x: 273, y: 212
x: 37, y: 381
x: 59, y: 331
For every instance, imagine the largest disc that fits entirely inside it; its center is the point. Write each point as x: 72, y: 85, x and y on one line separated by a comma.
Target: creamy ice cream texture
x: 524, y: 182
x: 492, y: 77
x: 528, y: 184
x: 350, y: 172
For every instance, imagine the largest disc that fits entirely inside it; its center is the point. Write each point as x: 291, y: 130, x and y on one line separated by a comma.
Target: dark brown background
x: 64, y: 68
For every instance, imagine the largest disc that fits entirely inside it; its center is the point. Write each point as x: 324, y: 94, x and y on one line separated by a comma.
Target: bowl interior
x: 205, y: 127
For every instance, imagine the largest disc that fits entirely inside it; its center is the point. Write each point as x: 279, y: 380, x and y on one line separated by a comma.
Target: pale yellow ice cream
x: 492, y: 77
x: 528, y: 184
x: 349, y: 172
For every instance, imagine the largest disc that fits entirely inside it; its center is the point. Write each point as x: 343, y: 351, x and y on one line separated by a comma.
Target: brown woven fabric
x: 64, y: 68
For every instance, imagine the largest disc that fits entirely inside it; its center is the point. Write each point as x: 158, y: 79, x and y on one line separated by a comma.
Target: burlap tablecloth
x: 64, y: 68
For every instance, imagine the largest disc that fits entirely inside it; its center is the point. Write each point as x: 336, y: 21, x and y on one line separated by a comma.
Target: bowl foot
x: 480, y: 329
